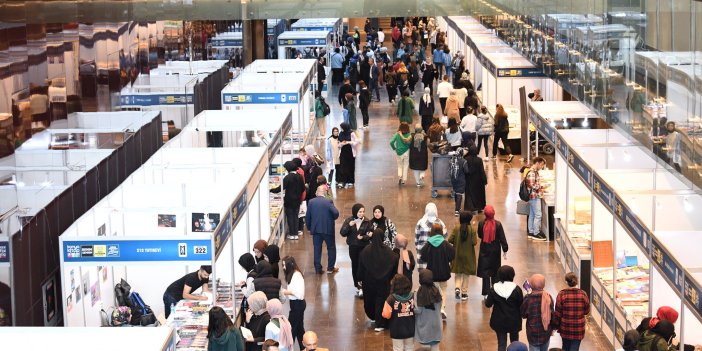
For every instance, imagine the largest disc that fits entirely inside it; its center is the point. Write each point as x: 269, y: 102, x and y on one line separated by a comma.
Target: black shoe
x: 510, y: 158
x: 458, y: 294
x: 540, y: 237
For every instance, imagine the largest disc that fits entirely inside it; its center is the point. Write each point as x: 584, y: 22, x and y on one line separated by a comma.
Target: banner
x: 260, y: 98
x: 137, y: 250
x: 302, y: 42
x: 156, y: 100
x: 668, y: 266
x: 4, y: 252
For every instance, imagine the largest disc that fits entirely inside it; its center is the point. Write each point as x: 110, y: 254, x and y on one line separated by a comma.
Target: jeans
x: 320, y: 238
x: 495, y: 142
x: 543, y: 347
x: 462, y: 282
x: 534, y: 221
x: 354, y: 253
x: 571, y: 345
x: 418, y: 176
x: 442, y: 290
x: 291, y: 218
x: 403, y: 166
x: 403, y: 344
x: 374, y: 87
x: 167, y: 301
x: 483, y: 139
x: 297, y: 320
x: 439, y: 71
x: 502, y: 339
x: 458, y: 198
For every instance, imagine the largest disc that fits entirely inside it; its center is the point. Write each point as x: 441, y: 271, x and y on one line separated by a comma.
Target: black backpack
x: 122, y: 290
x: 326, y: 110
x: 524, y: 191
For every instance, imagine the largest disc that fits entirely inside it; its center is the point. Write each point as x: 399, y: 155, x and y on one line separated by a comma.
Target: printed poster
x: 95, y: 293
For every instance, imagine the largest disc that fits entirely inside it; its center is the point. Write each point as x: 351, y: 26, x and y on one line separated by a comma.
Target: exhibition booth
x: 303, y: 66
x: 333, y: 25
x: 187, y: 67
x: 615, y: 206
x: 224, y: 45
x: 305, y: 39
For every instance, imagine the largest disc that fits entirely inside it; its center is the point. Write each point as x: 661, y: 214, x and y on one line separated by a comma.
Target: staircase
x: 383, y: 22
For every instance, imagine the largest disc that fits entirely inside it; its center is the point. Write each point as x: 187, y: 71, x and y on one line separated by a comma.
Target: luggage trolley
x: 440, y: 176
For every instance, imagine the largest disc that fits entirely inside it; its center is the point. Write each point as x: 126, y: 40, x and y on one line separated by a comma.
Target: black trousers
x: 442, y: 101
x: 354, y: 252
x: 392, y: 91
x: 500, y: 136
x: 291, y: 220
x: 337, y: 75
x: 458, y: 198
x: 364, y: 112
x: 426, y: 123
x: 297, y: 320
x: 483, y: 139
x: 487, y: 283
x: 502, y: 339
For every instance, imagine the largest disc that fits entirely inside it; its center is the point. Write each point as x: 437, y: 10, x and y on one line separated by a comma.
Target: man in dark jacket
x: 364, y: 69
x: 438, y: 254
x: 294, y: 187
x: 320, y: 217
x: 343, y: 90
x: 321, y: 74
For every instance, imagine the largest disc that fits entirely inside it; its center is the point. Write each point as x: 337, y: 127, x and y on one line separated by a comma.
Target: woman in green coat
x: 464, y: 239
x: 222, y: 335
x: 351, y: 108
x: 405, y: 108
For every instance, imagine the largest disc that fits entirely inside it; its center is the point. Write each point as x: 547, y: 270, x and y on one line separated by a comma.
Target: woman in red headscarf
x: 492, y: 241
x: 665, y: 313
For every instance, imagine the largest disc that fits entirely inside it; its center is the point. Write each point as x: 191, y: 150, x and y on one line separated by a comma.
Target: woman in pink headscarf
x: 279, y: 328
x: 492, y: 241
x: 537, y: 309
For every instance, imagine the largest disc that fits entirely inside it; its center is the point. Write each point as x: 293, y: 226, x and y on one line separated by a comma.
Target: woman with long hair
x: 279, y: 328
x: 376, y: 267
x: 400, y: 143
x: 436, y: 131
x: 379, y: 221
x: 357, y: 230
x: 399, y: 311
x: 453, y: 134
x: 501, y: 131
x: 296, y: 295
x: 418, y: 156
x: 463, y: 238
x: 572, y: 308
x: 347, y: 156
x: 492, y: 242
x: 221, y: 332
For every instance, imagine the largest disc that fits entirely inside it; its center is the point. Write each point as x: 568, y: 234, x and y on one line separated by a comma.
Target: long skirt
x: 347, y: 169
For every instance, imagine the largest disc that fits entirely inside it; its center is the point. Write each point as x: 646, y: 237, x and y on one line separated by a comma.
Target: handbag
x: 522, y: 208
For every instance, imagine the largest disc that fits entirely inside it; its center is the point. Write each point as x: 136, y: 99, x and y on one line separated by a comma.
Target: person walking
x: 468, y: 124
x: 472, y: 99
x: 428, y: 75
x: 438, y: 58
x: 320, y: 217
x: 222, y: 335
x: 426, y: 108
x: 337, y: 66
x: 418, y: 155
x: 461, y: 94
x: 391, y: 84
x: 279, y: 328
x: 485, y: 127
x: 346, y: 176
x: 452, y: 107
x: 454, y: 137
x: 438, y: 254
x: 321, y: 74
x: 346, y: 88
x: 476, y: 181
x: 405, y: 108
x: 406, y: 262
x: 423, y: 229
x: 357, y: 230
x: 501, y: 132
x: 295, y: 293
x: 399, y: 311
x: 436, y: 131
x: 333, y: 149
x: 444, y: 88
x: 537, y: 309
x: 374, y: 79
x: 364, y: 99
x: 572, y: 308
x: 376, y: 268
x: 320, y: 116
x: 379, y: 221
x: 294, y: 186
x: 257, y: 318
x: 463, y: 238
x: 536, y: 194
x: 428, y: 311
x: 400, y: 143
x: 457, y: 169
x: 492, y: 241
x: 351, y: 111
x: 505, y: 298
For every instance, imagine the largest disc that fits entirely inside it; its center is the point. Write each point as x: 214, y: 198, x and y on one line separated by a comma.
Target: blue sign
x: 260, y: 98
x: 693, y: 295
x: 302, y: 42
x: 580, y: 167
x: 631, y: 223
x: 667, y: 264
x: 608, y: 317
x: 4, y: 252
x: 166, y: 250
x: 156, y: 100
x: 226, y: 42
x: 222, y: 232
x: 544, y: 128
x: 602, y: 191
x: 561, y: 145
x: 313, y: 29
x: 239, y: 208
x: 520, y: 72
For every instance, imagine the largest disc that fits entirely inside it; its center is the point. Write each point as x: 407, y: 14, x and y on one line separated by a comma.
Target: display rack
x: 612, y: 200
x: 107, y: 339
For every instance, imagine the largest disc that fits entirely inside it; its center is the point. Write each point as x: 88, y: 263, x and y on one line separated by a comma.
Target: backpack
x: 121, y: 315
x: 326, y: 110
x: 524, y: 191
x: 122, y: 290
x: 141, y: 313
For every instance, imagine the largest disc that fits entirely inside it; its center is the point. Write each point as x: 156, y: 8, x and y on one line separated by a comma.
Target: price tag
x: 200, y: 250
x: 182, y: 250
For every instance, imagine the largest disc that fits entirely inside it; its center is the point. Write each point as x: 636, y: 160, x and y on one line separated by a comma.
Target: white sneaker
x: 379, y: 329
x: 443, y: 314
x: 359, y: 292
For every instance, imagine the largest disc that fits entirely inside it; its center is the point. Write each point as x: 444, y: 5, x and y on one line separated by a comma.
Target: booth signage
x: 239, y: 208
x: 4, y: 252
x: 561, y: 145
x: 581, y: 168
x: 693, y: 295
x: 222, y: 233
x: 520, y: 72
x: 226, y: 42
x: 596, y: 300
x: 602, y: 191
x: 313, y: 29
x: 631, y: 223
x: 302, y: 42
x: 156, y: 100
x: 544, y: 128
x: 276, y: 169
x: 609, y: 317
x: 666, y: 264
x: 260, y: 98
x: 165, y: 250
x: 619, y: 333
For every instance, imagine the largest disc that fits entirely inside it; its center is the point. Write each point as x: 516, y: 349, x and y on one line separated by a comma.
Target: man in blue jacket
x: 320, y: 217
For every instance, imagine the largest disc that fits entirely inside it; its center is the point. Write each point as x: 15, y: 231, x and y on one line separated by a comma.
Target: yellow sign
x: 99, y: 250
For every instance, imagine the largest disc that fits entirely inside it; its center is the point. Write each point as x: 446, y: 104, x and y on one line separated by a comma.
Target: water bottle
x: 172, y: 308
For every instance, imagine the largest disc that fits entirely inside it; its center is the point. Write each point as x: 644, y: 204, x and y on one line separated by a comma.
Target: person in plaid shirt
x: 423, y: 229
x: 537, y: 309
x: 572, y: 305
x: 536, y: 192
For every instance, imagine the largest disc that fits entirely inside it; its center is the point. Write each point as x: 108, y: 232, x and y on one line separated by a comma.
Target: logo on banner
x: 598, y: 187
x: 113, y: 250
x: 100, y: 251
x: 182, y: 250
x: 86, y: 251
x: 73, y: 251
x: 3, y: 253
x: 282, y: 97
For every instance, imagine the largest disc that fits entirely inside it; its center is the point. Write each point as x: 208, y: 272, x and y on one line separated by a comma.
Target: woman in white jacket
x: 332, y: 154
x: 485, y: 127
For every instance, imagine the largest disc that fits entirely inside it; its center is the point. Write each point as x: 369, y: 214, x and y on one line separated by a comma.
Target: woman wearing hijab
x: 258, y: 249
x: 426, y: 108
x: 265, y: 282
x: 376, y: 266
x: 279, y: 328
x: 347, y: 156
x: 333, y: 150
x: 257, y: 318
x: 476, y: 181
x: 272, y: 254
x: 379, y: 221
x: 666, y: 313
x: 357, y: 230
x: 631, y: 341
x: 572, y: 308
x: 537, y: 309
x: 350, y: 106
x: 463, y: 238
x: 406, y: 262
x: 505, y: 299
x: 452, y: 107
x: 492, y: 241
x: 658, y: 338
x: 418, y: 156
x: 248, y: 263
x: 427, y: 311
x: 423, y: 228
x: 438, y: 254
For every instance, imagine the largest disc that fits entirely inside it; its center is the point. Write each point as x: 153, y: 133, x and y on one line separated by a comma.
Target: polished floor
x: 333, y: 311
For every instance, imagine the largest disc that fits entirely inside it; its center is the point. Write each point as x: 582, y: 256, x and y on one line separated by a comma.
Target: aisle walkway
x: 333, y: 311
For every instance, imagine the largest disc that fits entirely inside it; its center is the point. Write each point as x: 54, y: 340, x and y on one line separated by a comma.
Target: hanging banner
x: 580, y: 167
x: 619, y: 333
x: 222, y: 233
x: 665, y: 262
x: 136, y: 250
x: 156, y: 100
x: 302, y: 42
x: 561, y: 145
x: 224, y: 43
x: 520, y: 72
x: 260, y: 98
x: 608, y: 317
x: 603, y: 192
x: 312, y: 29
x: 693, y: 295
x: 4, y: 253
x: 596, y: 301
x: 631, y: 223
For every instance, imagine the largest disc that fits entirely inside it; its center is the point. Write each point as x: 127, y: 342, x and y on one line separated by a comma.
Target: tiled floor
x: 338, y: 317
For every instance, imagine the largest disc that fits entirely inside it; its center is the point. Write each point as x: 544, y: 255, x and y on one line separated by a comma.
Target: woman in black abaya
x: 376, y: 267
x: 476, y: 180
